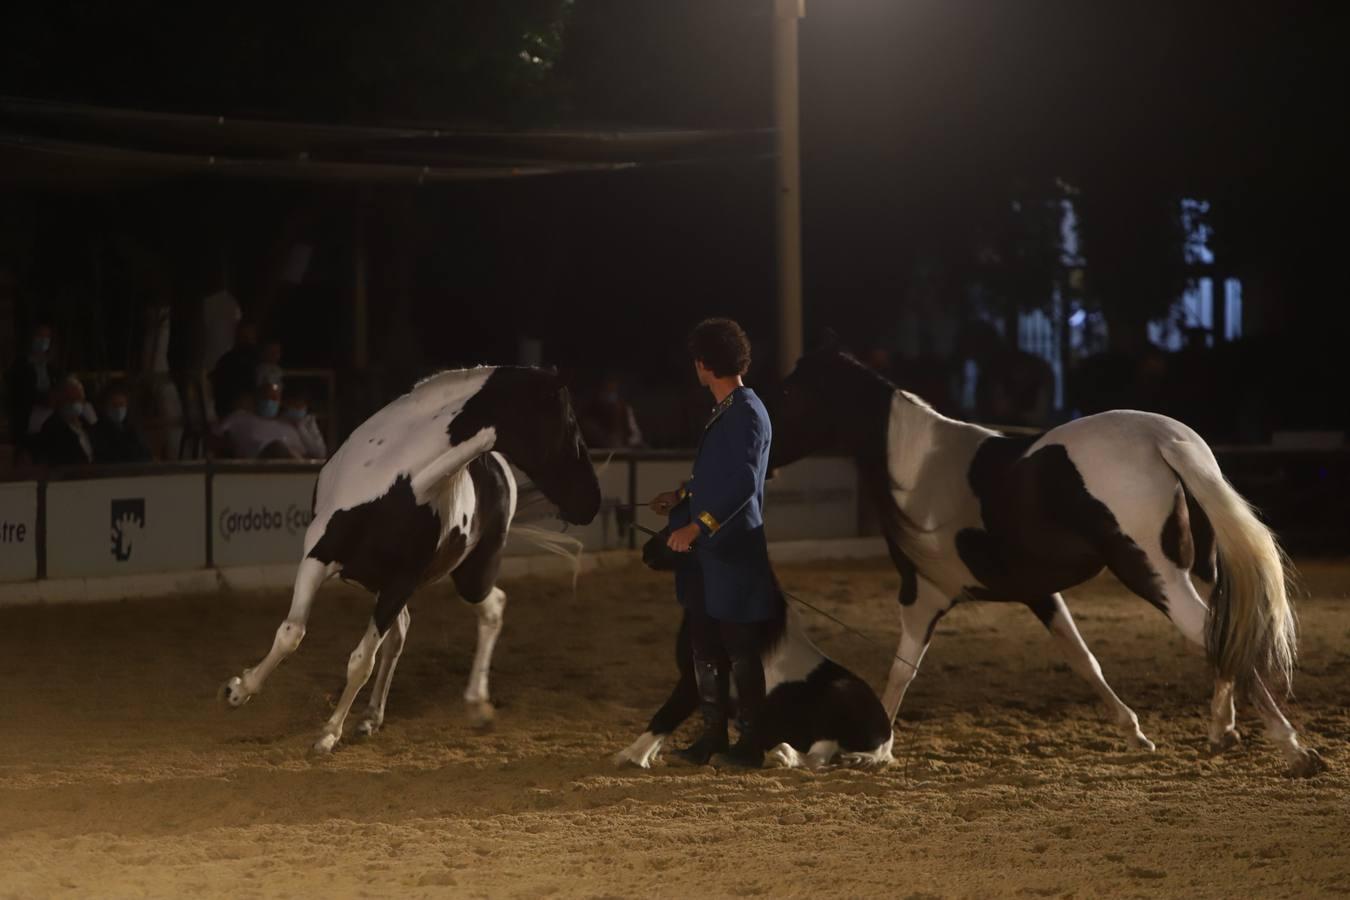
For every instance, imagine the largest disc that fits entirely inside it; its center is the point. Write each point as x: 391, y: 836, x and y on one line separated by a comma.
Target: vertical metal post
x: 786, y: 13
x: 360, y: 323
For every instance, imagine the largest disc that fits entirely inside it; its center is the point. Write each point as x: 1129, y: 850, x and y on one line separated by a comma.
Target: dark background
x: 923, y: 123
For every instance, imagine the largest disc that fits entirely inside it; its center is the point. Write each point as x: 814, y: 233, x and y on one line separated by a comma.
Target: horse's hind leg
x: 389, y: 606
x: 310, y: 575
x: 1304, y: 762
x: 1055, y: 615
x: 385, y: 663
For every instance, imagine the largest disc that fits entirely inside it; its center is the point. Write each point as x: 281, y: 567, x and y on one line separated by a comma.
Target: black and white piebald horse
x: 421, y: 489
x: 969, y: 513
x: 815, y: 712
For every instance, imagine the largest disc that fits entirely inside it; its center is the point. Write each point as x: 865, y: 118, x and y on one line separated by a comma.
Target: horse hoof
x: 233, y: 694
x: 324, y: 745
x: 1231, y: 740
x: 1308, y: 765
x: 623, y: 759
x: 1139, y: 742
x: 367, y: 727
x: 482, y: 715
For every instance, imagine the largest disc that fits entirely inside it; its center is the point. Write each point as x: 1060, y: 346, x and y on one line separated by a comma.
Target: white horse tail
x: 555, y: 542
x: 1251, y: 620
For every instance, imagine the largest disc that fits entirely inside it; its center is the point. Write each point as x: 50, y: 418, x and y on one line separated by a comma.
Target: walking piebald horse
x: 421, y: 489
x: 972, y: 514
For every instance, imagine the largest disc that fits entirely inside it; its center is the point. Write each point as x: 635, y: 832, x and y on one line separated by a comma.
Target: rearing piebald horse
x: 969, y: 513
x: 421, y: 489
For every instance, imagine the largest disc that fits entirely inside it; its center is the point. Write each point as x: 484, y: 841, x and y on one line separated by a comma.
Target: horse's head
x: 531, y: 410
x: 829, y: 403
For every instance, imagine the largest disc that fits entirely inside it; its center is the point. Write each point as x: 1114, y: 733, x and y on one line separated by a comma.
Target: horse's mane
x: 448, y: 375
x: 874, y: 377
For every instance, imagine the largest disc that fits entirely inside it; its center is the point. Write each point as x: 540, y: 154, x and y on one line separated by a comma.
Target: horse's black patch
x: 381, y: 538
x: 832, y: 704
x: 384, y: 545
x: 1044, y: 609
x: 536, y: 430
x: 1202, y: 536
x: 1176, y: 540
x: 476, y: 575
x: 1044, y: 531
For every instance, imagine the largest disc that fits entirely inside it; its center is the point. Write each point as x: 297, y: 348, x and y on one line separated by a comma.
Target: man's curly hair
x: 721, y: 345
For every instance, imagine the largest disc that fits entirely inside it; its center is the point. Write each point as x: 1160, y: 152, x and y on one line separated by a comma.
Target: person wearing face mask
x: 253, y: 430
x: 27, y: 385
x: 269, y: 366
x: 115, y: 441
x: 64, y: 440
x: 296, y: 411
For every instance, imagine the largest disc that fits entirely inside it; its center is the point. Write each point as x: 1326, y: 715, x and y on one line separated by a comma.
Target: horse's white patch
x: 642, y: 752
x: 404, y: 438
x: 793, y: 658
x: 881, y: 756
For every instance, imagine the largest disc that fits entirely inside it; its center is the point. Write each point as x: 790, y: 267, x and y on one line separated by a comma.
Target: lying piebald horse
x: 815, y: 712
x: 421, y: 489
x: 969, y: 513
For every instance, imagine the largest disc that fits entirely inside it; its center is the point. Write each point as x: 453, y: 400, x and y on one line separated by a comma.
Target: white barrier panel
x: 121, y: 526
x: 18, y: 531
x: 260, y: 518
x: 813, y: 498
x: 602, y: 534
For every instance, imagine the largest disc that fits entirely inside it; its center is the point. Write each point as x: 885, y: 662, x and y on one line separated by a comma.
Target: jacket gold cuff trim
x: 682, y: 493
x: 709, y: 522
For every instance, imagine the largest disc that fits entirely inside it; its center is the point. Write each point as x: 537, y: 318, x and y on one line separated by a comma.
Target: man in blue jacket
x: 727, y: 588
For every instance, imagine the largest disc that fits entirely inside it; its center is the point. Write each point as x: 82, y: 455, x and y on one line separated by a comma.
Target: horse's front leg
x: 917, y: 621
x: 476, y: 696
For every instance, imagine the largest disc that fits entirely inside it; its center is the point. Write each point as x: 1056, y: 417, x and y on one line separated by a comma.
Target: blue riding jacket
x: 725, y: 496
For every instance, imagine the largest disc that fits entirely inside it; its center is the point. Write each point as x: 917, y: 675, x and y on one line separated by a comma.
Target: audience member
x: 28, y: 384
x: 296, y: 411
x: 64, y: 440
x: 236, y: 372
x: 115, y: 441
x: 608, y: 421
x: 253, y: 431
x: 268, y: 370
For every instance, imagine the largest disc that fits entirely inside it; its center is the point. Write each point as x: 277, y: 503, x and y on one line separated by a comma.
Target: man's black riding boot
x: 748, y: 675
x: 711, y: 705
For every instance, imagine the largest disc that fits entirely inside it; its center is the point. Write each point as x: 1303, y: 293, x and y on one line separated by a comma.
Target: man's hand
x: 664, y: 502
x: 682, y: 539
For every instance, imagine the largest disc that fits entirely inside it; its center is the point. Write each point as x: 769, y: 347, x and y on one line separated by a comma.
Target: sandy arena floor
x: 121, y: 775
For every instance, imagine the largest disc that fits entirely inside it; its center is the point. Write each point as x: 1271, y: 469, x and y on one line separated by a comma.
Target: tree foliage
x: 433, y: 60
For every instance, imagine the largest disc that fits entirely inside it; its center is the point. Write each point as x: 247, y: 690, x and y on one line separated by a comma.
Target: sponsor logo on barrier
x: 128, y: 521
x: 13, y: 532
x: 263, y: 520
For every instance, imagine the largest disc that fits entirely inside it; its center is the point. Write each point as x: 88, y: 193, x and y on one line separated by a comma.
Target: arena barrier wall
x: 243, y: 523
x: 104, y: 522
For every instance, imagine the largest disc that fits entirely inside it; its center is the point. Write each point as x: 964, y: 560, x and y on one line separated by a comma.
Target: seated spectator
x: 64, y: 440
x: 268, y: 370
x: 27, y: 386
x: 608, y: 420
x: 296, y: 412
x: 253, y: 430
x: 236, y: 372
x: 115, y: 441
